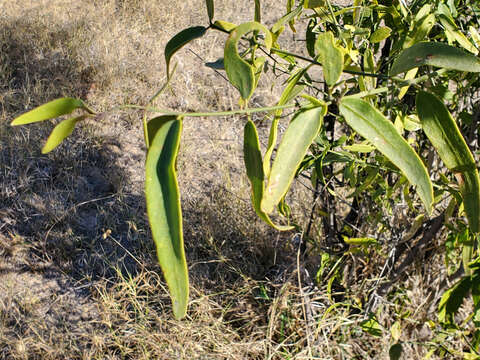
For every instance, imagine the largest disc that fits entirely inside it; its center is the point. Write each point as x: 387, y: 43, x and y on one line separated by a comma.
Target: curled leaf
x: 240, y: 73
x: 49, y: 110
x: 164, y: 212
x: 180, y: 40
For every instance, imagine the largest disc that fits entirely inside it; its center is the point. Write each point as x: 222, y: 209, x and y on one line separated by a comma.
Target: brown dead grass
x: 78, y: 278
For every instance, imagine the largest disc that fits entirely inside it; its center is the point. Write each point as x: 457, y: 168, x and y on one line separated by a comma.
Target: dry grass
x: 78, y: 278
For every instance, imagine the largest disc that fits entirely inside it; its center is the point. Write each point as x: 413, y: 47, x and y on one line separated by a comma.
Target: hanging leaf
x: 301, y: 132
x: 258, y: 11
x: 180, y: 40
x: 290, y: 91
x: 60, y: 133
x: 435, y: 54
x: 164, y: 212
x: 310, y: 37
x: 49, y: 110
x: 372, y: 125
x: 253, y: 164
x: 210, y: 10
x: 240, y: 73
x: 155, y: 124
x: 288, y: 18
x: 330, y: 56
x: 442, y: 131
x: 453, y: 32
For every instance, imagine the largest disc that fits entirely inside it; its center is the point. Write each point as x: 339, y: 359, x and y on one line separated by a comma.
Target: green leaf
x: 258, y: 11
x: 224, y: 25
x: 442, y: 131
x: 380, y: 34
x: 164, y: 212
x: 180, y: 40
x: 310, y: 37
x: 372, y: 125
x: 210, y: 10
x: 330, y: 56
x: 240, y: 73
x: 253, y: 164
x: 49, y: 110
x: 372, y: 327
x: 290, y: 91
x: 288, y: 18
x: 60, y: 133
x: 452, y: 31
x: 155, y: 124
x: 301, y: 132
x: 435, y: 54
x: 452, y: 299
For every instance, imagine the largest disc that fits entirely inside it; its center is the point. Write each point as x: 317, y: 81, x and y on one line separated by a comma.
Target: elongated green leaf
x: 292, y: 89
x: 60, y: 133
x: 435, y: 54
x: 288, y: 18
x: 210, y: 10
x: 180, y: 40
x: 164, y: 212
x: 258, y: 11
x: 330, y: 56
x: 310, y: 37
x: 301, y: 132
x: 372, y: 125
x: 253, y: 164
x: 442, y: 131
x: 452, y: 30
x: 49, y: 110
x: 240, y: 73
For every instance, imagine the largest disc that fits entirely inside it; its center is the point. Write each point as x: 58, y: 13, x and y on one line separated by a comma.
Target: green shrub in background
x: 394, y: 109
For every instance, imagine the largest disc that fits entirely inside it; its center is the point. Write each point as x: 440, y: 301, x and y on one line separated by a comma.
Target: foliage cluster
x: 393, y: 109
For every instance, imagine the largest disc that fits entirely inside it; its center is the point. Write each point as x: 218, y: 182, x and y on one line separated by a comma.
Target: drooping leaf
x: 442, y: 131
x: 310, y: 37
x: 60, y: 133
x: 453, y: 32
x: 301, y: 132
x: 180, y: 40
x: 253, y: 164
x: 210, y: 10
x: 240, y: 73
x: 330, y: 56
x: 164, y: 212
x: 372, y: 125
x: 49, y: 110
x: 258, y: 11
x: 380, y: 34
x: 291, y: 90
x: 155, y: 124
x: 435, y: 54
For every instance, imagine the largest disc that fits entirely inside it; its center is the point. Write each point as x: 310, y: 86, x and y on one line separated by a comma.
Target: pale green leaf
x: 240, y: 73
x: 258, y: 11
x: 373, y: 126
x: 253, y: 164
x: 224, y: 25
x: 442, y: 131
x: 180, y: 40
x: 164, y: 212
x: 380, y: 34
x: 49, y: 110
x: 301, y: 132
x: 330, y: 56
x: 288, y: 18
x: 60, y: 133
x: 435, y: 54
